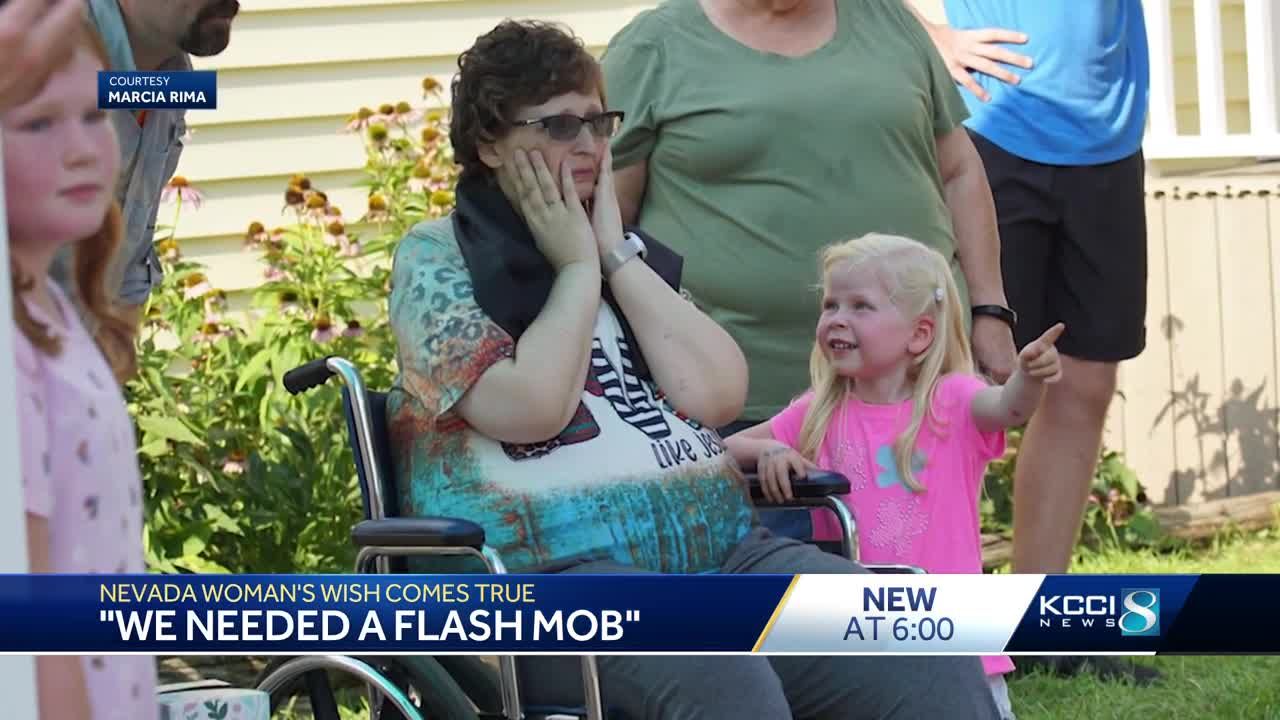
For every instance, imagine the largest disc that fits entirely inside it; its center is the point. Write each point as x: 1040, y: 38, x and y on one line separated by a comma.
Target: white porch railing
x: 1262, y: 48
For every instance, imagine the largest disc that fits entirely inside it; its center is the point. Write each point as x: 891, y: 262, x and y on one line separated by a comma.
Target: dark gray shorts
x: 1073, y: 249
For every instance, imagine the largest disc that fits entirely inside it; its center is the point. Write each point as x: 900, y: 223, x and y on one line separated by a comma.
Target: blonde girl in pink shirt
x: 80, y: 473
x: 896, y: 407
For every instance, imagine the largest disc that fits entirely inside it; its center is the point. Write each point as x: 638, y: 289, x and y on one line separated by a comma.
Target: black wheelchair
x: 453, y: 687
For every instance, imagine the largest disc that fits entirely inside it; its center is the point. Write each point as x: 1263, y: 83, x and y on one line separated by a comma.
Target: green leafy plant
x: 1118, y: 512
x: 1117, y: 515
x: 240, y: 475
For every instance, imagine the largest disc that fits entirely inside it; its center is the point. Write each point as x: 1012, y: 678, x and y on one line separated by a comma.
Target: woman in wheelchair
x: 557, y: 389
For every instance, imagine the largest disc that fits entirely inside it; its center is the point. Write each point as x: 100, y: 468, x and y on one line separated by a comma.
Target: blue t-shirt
x: 1084, y: 101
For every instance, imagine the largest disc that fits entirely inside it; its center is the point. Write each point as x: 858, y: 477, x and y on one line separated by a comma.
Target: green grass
x: 1192, y: 687
x: 1252, y: 553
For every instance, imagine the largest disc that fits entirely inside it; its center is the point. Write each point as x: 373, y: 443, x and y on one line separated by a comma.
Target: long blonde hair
x: 919, y: 282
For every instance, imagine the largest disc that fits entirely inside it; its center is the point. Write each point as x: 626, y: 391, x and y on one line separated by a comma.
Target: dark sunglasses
x: 565, y: 127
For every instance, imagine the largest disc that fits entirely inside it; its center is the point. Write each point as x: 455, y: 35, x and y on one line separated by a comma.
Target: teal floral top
x: 629, y: 479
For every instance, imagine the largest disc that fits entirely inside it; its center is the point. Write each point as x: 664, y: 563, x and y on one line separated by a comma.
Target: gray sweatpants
x: 640, y: 687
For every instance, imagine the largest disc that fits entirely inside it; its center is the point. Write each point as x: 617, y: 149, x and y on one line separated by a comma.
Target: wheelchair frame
x: 375, y: 557
x: 381, y: 538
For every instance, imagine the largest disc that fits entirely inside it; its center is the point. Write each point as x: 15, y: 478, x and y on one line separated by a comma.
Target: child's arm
x: 773, y: 460
x: 61, y: 692
x: 746, y: 446
x: 1009, y: 405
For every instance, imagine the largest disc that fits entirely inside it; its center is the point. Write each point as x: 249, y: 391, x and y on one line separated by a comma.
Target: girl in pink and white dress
x: 79, y: 459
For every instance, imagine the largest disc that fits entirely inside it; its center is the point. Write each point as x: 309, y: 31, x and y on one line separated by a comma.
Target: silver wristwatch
x: 630, y: 246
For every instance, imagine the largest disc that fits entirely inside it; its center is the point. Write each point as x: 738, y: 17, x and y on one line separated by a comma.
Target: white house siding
x: 294, y: 71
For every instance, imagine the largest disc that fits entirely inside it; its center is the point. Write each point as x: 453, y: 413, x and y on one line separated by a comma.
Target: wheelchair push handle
x: 306, y: 376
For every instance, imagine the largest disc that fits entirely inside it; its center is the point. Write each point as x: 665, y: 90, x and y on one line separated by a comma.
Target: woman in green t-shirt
x: 758, y: 132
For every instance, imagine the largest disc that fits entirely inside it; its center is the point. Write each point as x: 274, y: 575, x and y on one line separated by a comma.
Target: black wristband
x: 999, y: 312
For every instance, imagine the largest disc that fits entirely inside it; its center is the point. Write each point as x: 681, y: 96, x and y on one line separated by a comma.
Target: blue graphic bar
x: 384, y: 614
x: 579, y: 613
x: 167, y: 90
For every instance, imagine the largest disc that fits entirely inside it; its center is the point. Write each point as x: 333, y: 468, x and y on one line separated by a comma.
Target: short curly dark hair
x: 517, y: 64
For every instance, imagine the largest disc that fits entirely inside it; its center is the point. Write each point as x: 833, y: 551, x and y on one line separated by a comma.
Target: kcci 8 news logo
x: 1135, y: 611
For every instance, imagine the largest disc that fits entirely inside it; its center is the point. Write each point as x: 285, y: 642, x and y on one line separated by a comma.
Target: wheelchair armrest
x: 418, y: 532
x: 817, y: 484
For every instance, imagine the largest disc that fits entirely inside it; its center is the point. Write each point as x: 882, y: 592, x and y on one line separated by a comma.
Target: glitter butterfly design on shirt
x: 851, y: 455
x: 898, y: 522
x: 853, y: 460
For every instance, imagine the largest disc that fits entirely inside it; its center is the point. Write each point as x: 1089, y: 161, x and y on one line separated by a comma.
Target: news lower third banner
x: 619, y: 614
x: 161, y: 90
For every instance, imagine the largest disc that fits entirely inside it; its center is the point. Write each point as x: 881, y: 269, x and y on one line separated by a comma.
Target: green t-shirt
x: 757, y: 161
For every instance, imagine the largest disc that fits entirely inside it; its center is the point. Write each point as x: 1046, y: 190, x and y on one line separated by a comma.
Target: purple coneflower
x: 236, y: 463
x: 420, y: 177
x: 196, y: 286
x: 323, y: 330
x: 168, y: 250
x: 335, y: 234
x: 377, y: 209
x: 403, y: 114
x: 359, y: 121
x: 255, y: 235
x: 293, y: 198
x: 212, y: 332
x: 180, y: 187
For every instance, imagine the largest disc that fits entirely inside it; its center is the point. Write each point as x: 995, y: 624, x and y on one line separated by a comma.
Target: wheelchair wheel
x: 418, y: 681
x: 438, y: 694
x: 478, y: 680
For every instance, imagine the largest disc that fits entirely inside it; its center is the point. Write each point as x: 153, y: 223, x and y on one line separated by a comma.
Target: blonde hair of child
x: 919, y: 282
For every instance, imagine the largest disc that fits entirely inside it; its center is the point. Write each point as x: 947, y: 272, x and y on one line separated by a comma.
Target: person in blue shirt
x: 1058, y: 105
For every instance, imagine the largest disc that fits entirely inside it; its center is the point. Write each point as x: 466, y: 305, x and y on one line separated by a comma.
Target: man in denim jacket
x: 149, y: 35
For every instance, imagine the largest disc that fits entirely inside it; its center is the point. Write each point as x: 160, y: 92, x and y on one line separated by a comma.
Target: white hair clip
x: 937, y: 294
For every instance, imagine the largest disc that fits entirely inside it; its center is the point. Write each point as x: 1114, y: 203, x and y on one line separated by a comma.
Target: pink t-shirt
x: 937, y: 529
x: 80, y: 471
